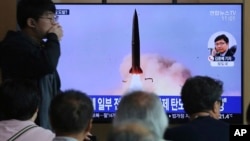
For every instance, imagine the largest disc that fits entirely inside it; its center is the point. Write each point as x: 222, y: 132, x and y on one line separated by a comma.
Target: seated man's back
x: 201, y: 129
x: 201, y: 97
x: 19, y: 100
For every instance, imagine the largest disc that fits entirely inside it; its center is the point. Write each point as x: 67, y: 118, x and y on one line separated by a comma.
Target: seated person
x: 71, y: 114
x: 201, y: 97
x: 145, y: 107
x: 19, y: 101
x: 131, y: 131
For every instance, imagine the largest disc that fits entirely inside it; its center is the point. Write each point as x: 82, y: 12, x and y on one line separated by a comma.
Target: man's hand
x: 57, y: 29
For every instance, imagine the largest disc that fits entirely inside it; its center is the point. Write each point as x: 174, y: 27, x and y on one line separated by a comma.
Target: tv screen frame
x: 96, y: 52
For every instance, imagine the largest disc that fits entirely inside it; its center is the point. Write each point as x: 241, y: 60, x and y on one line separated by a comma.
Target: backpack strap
x: 19, y: 133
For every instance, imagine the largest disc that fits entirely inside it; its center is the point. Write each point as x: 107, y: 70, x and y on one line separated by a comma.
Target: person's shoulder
x: 64, y: 138
x: 181, y: 132
x: 231, y: 51
x: 12, y: 34
x: 208, y: 122
x: 42, y: 134
x: 43, y: 130
x: 200, y: 126
x: 211, y: 121
x: 179, y: 129
x: 13, y: 37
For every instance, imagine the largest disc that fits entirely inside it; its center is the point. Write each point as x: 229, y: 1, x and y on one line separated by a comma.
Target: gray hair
x: 143, y: 106
x: 132, y: 130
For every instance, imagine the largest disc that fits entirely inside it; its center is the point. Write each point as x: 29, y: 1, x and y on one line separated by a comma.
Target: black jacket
x: 22, y: 57
x: 200, y: 129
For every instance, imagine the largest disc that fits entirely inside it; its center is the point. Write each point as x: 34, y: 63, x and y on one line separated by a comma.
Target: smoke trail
x: 166, y: 75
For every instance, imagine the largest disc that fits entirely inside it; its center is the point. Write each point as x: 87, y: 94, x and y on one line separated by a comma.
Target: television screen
x: 110, y: 49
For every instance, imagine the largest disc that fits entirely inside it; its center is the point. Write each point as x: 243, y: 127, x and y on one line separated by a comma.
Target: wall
x: 7, y: 21
x: 7, y: 16
x: 246, y: 50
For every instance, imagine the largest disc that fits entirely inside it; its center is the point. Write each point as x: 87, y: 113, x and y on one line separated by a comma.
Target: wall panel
x: 77, y: 1
x: 246, y: 52
x: 7, y: 16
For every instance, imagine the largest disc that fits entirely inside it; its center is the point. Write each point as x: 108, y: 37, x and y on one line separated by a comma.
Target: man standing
x: 34, y: 51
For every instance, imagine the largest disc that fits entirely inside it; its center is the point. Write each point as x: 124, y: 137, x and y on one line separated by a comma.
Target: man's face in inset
x: 221, y: 46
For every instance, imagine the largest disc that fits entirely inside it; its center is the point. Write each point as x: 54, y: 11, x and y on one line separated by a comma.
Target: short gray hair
x: 143, y: 106
x: 132, y: 130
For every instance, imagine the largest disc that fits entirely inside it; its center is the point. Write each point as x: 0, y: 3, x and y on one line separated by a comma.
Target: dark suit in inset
x: 230, y: 53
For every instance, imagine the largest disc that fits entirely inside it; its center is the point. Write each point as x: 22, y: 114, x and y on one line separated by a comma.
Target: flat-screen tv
x: 110, y: 49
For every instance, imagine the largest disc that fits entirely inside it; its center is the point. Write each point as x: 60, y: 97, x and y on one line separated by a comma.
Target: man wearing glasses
x: 222, y: 49
x: 33, y: 51
x: 201, y: 97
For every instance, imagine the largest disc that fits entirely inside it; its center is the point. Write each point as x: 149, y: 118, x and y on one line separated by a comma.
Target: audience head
x: 19, y: 99
x: 33, y: 9
x: 143, y: 106
x: 131, y: 131
x: 71, y: 113
x: 248, y: 114
x: 202, y: 94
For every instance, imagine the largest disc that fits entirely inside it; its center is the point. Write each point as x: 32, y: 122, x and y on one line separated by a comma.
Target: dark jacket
x: 230, y: 53
x: 22, y: 57
x: 200, y: 129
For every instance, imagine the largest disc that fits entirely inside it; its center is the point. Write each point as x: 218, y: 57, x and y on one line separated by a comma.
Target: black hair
x: 70, y: 111
x: 199, y: 93
x: 19, y: 99
x: 222, y: 37
x: 32, y: 9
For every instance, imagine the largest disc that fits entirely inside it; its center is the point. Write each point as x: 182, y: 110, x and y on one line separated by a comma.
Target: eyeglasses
x: 53, y: 19
x: 220, y: 43
x: 220, y: 101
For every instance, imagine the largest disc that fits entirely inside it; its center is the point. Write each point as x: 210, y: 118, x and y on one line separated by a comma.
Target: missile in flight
x: 136, y: 68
